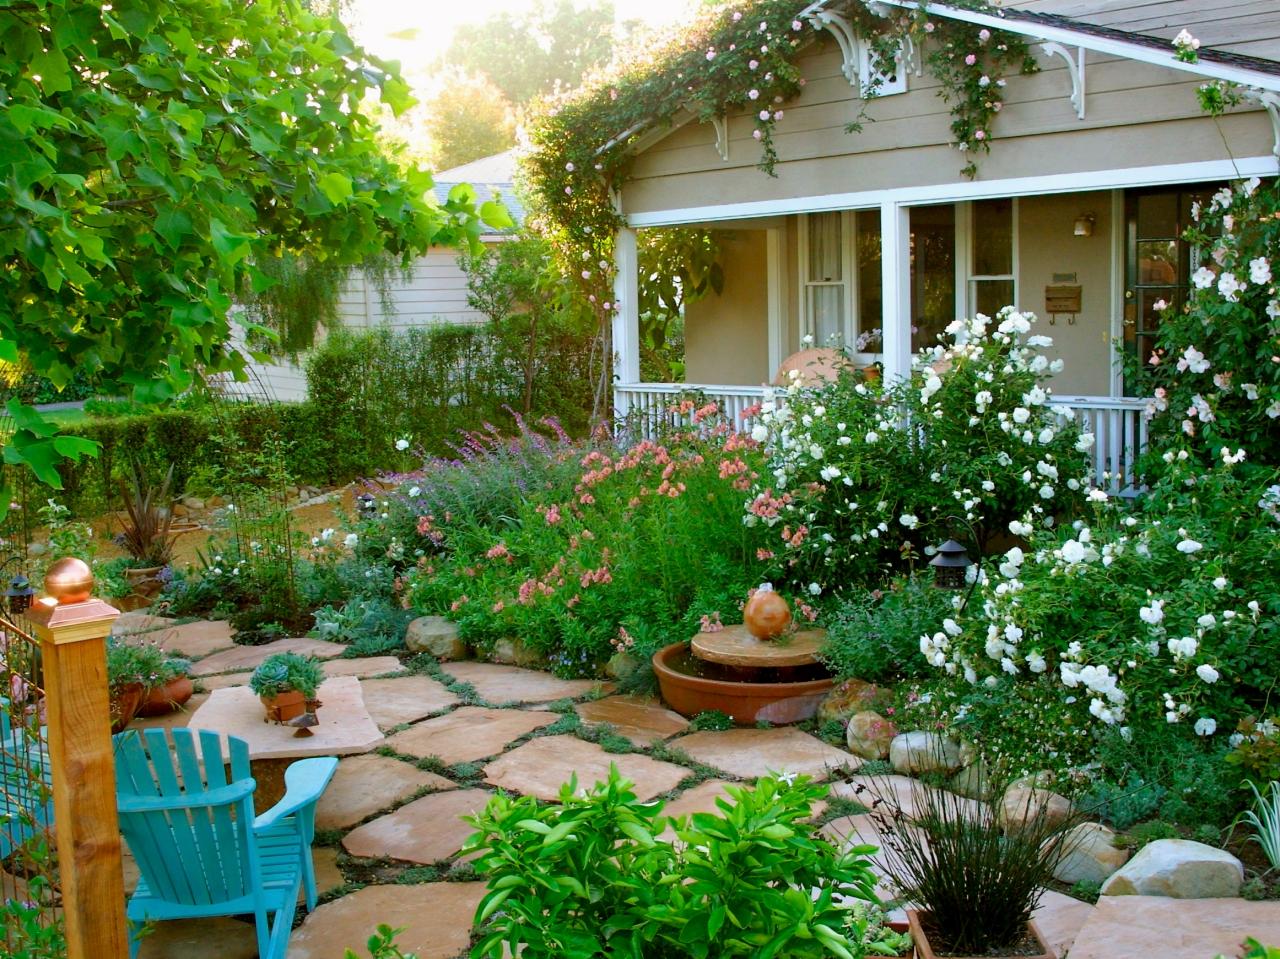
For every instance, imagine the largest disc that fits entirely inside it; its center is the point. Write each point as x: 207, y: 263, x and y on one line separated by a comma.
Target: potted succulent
x: 168, y: 689
x: 147, y: 531
x: 287, y: 683
x: 975, y: 876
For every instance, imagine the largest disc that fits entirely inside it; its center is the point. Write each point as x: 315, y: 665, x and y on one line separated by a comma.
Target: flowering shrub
x: 1213, y: 375
x: 860, y: 477
x: 1165, y: 613
x: 643, y: 544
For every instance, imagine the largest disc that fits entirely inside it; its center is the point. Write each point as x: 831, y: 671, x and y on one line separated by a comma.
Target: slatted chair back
x: 189, y: 826
x: 26, y: 783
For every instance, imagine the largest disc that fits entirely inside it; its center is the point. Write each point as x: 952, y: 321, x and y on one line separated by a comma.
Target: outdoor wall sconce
x: 1084, y: 224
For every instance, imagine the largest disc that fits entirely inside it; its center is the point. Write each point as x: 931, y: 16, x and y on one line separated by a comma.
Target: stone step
x: 1125, y: 927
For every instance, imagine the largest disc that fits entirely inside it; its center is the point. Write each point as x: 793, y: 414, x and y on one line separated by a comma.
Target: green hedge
x: 365, y: 391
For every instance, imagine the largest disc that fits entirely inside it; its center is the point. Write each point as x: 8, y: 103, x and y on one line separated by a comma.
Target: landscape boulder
x: 852, y: 696
x: 869, y: 735
x: 924, y: 752
x: 1178, y: 869
x: 437, y: 636
x: 1091, y: 856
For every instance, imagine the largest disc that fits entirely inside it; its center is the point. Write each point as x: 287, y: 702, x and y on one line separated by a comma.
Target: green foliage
x: 382, y: 945
x: 287, y: 672
x: 1145, y: 833
x: 149, y: 511
x: 1264, y: 817
x: 372, y: 626
x: 712, y: 719
x: 145, y: 664
x: 157, y: 152
x: 1256, y: 749
x: 590, y: 877
x: 875, y: 635
x: 468, y: 119
x: 868, y: 930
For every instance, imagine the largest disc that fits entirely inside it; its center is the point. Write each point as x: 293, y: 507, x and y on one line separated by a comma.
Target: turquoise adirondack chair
x: 199, y: 847
x: 26, y: 798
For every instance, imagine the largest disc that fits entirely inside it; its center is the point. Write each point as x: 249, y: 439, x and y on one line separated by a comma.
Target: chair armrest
x: 304, y: 781
x: 222, y: 796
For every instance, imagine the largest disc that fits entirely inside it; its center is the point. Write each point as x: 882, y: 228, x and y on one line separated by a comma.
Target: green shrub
x: 589, y: 876
x: 287, y: 672
x: 875, y: 635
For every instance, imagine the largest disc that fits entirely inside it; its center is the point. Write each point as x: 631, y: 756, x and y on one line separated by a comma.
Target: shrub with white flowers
x: 863, y: 477
x: 1213, y: 375
x: 1166, y: 612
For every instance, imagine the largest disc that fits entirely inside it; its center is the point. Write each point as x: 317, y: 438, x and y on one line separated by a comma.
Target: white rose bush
x: 863, y: 478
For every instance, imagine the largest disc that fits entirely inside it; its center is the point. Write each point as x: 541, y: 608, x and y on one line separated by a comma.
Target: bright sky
x: 416, y: 32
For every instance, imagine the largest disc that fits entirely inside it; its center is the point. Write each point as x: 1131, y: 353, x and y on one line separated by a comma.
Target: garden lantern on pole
x: 950, y: 566
x: 19, y: 595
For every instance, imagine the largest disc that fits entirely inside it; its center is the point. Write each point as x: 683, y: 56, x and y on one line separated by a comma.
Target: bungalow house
x: 877, y: 240
x: 433, y: 292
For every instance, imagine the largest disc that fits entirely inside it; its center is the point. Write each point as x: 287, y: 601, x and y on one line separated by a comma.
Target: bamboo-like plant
x: 149, y: 508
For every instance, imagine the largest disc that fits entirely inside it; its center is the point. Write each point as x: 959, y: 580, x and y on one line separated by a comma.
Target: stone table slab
x: 1125, y: 926
x: 345, y: 725
x: 248, y: 657
x: 424, y: 831
x: 436, y: 918
x: 504, y: 685
x: 364, y: 666
x: 541, y: 766
x: 638, y: 719
x: 735, y: 646
x: 363, y: 785
x: 751, y: 753
x: 405, y: 699
x: 468, y: 733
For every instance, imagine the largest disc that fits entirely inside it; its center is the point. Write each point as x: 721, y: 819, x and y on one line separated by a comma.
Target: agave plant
x: 146, y: 534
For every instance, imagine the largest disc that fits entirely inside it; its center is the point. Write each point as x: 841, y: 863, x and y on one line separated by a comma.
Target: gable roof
x: 489, y: 175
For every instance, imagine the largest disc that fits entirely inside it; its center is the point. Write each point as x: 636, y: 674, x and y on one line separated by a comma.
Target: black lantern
x: 19, y: 594
x: 949, y: 566
x: 366, y: 505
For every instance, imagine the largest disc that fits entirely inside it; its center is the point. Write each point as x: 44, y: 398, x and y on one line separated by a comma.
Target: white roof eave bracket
x: 721, y: 125
x: 1269, y: 100
x: 1075, y: 66
x: 846, y: 37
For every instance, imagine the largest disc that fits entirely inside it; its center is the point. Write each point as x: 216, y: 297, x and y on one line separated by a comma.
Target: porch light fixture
x: 1084, y: 224
x: 950, y: 565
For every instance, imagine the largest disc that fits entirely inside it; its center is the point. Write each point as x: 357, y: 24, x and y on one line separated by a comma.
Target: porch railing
x: 1117, y: 424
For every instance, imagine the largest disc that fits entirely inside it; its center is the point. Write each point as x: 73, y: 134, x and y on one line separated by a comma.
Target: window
x: 868, y: 336
x: 825, y: 254
x: 992, y: 283
x: 933, y: 272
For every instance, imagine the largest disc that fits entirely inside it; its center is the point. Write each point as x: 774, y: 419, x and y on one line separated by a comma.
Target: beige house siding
x: 727, y: 336
x: 1137, y: 115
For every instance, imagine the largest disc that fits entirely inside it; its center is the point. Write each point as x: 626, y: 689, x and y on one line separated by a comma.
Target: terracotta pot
x: 144, y: 579
x: 898, y: 925
x: 766, y: 615
x: 745, y: 702
x: 163, y: 700
x: 124, y: 705
x: 871, y: 374
x: 284, y: 706
x: 925, y: 951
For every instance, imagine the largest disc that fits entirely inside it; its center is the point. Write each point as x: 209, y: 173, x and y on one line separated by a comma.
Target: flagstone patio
x: 390, y: 830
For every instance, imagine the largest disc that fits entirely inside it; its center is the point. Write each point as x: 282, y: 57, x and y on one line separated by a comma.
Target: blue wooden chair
x: 26, y: 797
x: 199, y: 847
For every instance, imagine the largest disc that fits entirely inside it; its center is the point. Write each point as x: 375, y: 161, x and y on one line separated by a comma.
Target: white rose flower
x: 1021, y: 414
x: 1207, y: 673
x: 402, y: 444
x: 1190, y: 546
x: 1260, y: 271
x: 1203, y: 278
x: 909, y: 520
x: 1073, y: 551
x: 1206, y: 726
x: 351, y: 540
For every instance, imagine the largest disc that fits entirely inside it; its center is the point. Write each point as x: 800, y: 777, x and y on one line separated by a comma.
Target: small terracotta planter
x: 923, y: 950
x: 284, y: 706
x: 163, y: 700
x: 746, y: 702
x: 124, y: 705
x: 144, y: 579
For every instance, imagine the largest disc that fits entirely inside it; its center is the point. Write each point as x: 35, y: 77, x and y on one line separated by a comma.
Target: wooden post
x: 72, y: 631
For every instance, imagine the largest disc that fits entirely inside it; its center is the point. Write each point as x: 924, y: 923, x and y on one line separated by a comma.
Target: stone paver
x: 344, y: 727
x: 502, y: 685
x: 638, y: 719
x: 247, y: 657
x: 436, y: 918
x: 328, y: 875
x: 893, y: 793
x: 541, y: 766
x: 468, y: 734
x: 701, y: 798
x: 1174, y: 928
x: 862, y: 830
x: 751, y: 753
x: 1060, y: 918
x: 365, y: 784
x: 197, y: 640
x: 364, y: 666
x: 424, y: 831
x: 223, y: 680
x: 138, y: 621
x: 222, y: 938
x: 392, y: 702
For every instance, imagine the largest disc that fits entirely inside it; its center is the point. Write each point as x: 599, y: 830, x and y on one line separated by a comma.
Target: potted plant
x: 168, y: 688
x: 147, y: 532
x: 873, y: 934
x: 287, y: 683
x: 975, y: 876
x: 129, y: 670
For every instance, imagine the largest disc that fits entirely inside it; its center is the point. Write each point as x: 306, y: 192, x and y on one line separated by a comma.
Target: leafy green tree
x: 468, y: 118
x: 152, y: 153
x: 528, y: 55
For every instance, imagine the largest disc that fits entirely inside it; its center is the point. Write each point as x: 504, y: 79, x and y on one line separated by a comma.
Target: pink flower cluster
x: 711, y: 623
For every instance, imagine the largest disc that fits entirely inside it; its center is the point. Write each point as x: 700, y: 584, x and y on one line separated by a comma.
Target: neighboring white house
x: 1076, y: 215
x: 435, y: 293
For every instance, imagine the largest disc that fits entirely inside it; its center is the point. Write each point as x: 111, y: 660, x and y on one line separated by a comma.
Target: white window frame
x: 847, y: 271
x: 867, y: 71
x: 966, y: 290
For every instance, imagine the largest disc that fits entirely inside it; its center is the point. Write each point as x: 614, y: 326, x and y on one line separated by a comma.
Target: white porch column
x: 895, y: 264
x: 626, y: 317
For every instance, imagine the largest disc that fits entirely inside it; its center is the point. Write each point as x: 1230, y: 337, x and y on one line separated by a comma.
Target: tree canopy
x: 152, y: 154
x: 469, y: 118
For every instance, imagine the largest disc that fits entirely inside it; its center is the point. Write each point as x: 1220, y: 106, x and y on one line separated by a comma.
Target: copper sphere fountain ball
x: 69, y: 580
x: 760, y: 671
